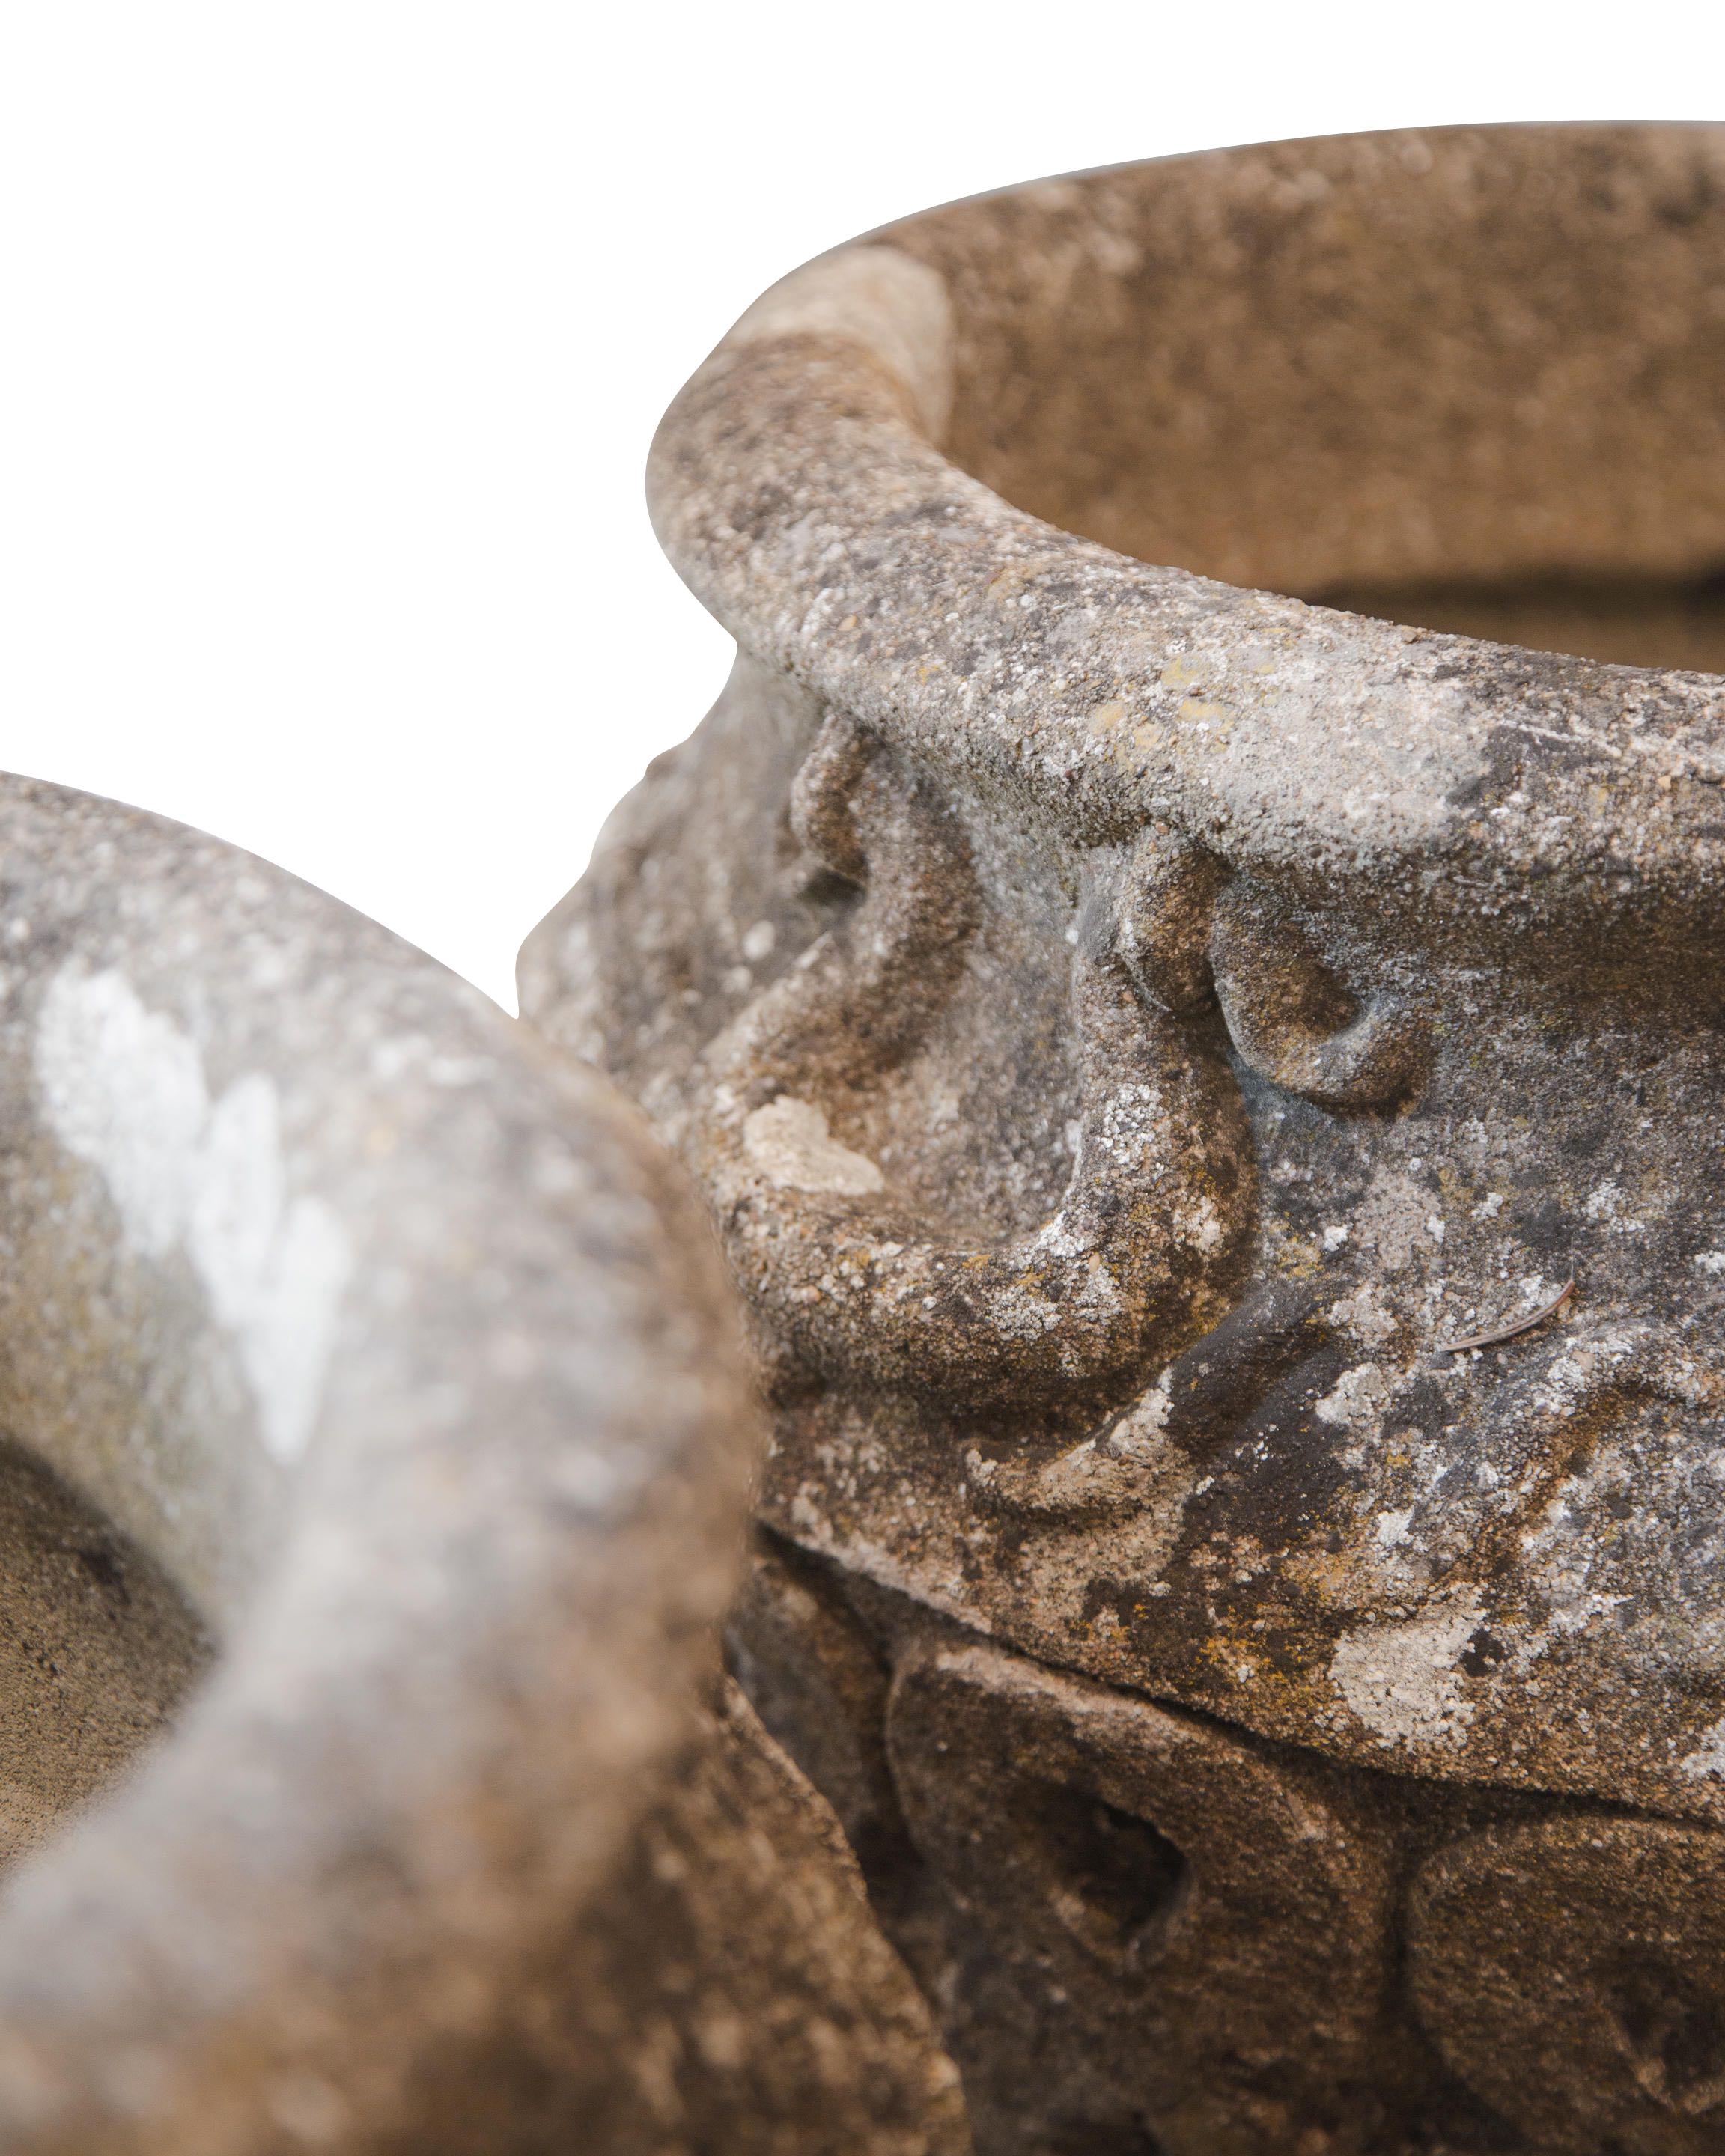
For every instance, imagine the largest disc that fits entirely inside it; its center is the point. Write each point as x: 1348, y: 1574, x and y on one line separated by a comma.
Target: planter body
x: 1128, y: 1019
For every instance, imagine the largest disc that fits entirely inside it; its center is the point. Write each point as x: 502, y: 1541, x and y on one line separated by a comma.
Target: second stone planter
x: 1194, y: 924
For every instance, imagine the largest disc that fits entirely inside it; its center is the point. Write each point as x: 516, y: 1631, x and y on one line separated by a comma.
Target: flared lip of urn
x: 1521, y: 806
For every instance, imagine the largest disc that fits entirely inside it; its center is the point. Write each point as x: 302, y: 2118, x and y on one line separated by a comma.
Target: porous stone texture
x: 1136, y: 988
x: 375, y: 1440
x: 728, y: 1991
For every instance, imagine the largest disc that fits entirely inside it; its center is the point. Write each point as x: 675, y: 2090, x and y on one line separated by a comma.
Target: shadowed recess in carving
x: 1673, y: 2030
x: 1188, y: 928
x: 1197, y: 1406
x: 1154, y: 1923
x: 1295, y: 1023
x: 1089, y: 2137
x: 1119, y: 1877
x: 1571, y: 1971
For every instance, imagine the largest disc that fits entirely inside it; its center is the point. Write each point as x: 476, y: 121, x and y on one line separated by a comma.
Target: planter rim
x: 798, y: 485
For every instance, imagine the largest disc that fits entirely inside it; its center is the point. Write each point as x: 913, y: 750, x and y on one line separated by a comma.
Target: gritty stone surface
x: 1241, y: 993
x: 375, y: 1451
x: 97, y: 1650
x: 787, y: 1141
x: 729, y: 1991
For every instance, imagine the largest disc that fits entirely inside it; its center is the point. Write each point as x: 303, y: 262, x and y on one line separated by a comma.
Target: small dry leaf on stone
x: 1501, y: 1332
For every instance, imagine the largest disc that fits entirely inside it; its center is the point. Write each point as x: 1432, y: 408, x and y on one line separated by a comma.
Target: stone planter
x: 1140, y: 975
x: 371, y: 1484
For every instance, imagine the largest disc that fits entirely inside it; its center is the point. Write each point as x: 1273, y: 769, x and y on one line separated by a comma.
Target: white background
x: 334, y: 336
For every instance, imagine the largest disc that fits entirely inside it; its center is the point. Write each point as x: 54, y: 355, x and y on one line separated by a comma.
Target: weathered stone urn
x: 1187, y: 963
x: 372, y: 1483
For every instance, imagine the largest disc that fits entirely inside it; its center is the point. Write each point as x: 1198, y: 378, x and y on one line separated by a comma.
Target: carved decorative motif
x: 1158, y: 1198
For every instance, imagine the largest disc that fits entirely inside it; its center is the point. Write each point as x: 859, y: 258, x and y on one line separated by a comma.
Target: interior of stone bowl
x: 97, y: 1646
x: 1468, y: 379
